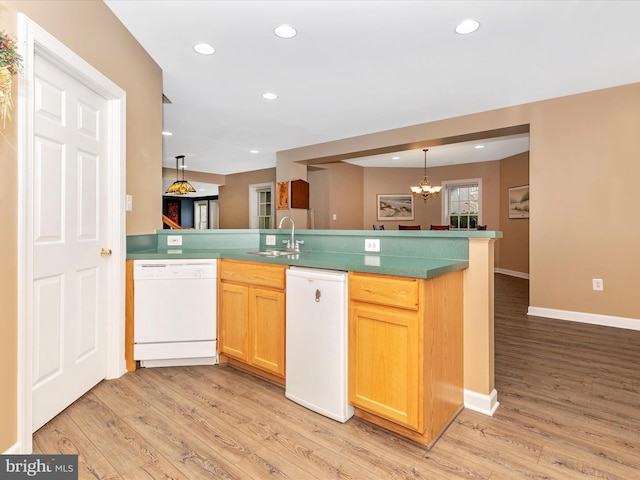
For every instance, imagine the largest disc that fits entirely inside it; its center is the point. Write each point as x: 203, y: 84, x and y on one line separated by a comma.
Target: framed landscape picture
x: 395, y: 207
x: 519, y: 202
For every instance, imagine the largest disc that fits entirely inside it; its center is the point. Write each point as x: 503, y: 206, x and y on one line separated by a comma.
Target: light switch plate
x: 270, y: 239
x: 372, y: 245
x: 174, y: 240
x: 129, y: 203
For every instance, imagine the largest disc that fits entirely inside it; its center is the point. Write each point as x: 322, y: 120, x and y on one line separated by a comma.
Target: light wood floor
x: 569, y: 408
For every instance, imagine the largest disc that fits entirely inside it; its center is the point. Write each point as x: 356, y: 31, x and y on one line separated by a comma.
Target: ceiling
x: 359, y: 67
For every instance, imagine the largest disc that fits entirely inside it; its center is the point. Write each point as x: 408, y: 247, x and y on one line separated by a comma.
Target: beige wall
x: 319, y: 186
x: 337, y: 189
x: 233, y: 196
x: 514, y: 246
x: 345, y: 196
x: 93, y: 32
x: 9, y: 268
x: 397, y: 180
x: 584, y: 170
x: 578, y: 145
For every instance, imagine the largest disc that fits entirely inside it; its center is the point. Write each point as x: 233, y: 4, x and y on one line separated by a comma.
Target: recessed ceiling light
x: 479, y: 146
x: 285, y: 31
x: 204, y: 49
x: 254, y: 151
x: 467, y: 26
x: 395, y: 158
x: 167, y: 134
x: 269, y: 96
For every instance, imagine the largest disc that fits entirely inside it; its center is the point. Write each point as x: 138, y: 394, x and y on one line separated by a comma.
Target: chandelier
x: 180, y: 187
x: 424, y: 189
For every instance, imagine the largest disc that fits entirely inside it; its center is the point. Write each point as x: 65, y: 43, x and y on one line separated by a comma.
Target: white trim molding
x: 13, y: 450
x: 580, y: 317
x: 481, y: 403
x: 512, y: 273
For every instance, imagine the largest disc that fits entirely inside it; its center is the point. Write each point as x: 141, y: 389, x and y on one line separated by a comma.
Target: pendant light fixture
x: 424, y: 189
x: 180, y: 187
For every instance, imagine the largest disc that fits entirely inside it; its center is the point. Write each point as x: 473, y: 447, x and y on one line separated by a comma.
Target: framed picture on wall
x: 395, y: 207
x: 519, y: 202
x: 283, y: 195
x: 173, y: 211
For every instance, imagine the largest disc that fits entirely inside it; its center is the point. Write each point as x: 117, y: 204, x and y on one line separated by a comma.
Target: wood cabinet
x: 251, y: 316
x: 129, y: 308
x: 405, y: 352
x: 299, y: 194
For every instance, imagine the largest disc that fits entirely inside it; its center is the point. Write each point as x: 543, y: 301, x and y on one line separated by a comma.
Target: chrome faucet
x: 293, y: 245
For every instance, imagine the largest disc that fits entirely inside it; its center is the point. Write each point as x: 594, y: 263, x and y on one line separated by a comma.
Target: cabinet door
x: 384, y: 376
x: 233, y: 315
x: 267, y: 325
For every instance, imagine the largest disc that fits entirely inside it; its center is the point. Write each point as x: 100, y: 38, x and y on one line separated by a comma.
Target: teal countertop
x: 383, y: 264
x: 418, y: 254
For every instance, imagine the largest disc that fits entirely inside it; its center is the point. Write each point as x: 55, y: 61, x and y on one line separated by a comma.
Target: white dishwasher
x: 175, y: 314
x: 316, y: 344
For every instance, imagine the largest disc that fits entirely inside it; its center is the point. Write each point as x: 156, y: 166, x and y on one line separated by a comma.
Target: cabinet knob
x: 318, y: 295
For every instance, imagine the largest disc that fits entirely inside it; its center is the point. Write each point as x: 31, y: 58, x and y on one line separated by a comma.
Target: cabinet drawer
x: 251, y: 273
x: 384, y: 290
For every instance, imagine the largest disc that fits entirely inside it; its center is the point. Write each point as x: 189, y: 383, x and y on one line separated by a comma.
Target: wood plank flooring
x: 569, y: 409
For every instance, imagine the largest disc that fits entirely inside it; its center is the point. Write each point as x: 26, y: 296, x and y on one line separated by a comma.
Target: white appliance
x: 175, y: 317
x: 317, y: 341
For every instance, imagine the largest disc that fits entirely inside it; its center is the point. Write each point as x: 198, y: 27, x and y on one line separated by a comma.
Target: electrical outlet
x: 270, y: 239
x: 372, y: 245
x: 598, y: 284
x: 174, y: 240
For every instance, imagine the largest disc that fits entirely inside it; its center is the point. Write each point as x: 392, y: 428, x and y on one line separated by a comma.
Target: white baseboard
x: 14, y: 450
x: 595, y: 319
x: 478, y: 402
x: 512, y: 273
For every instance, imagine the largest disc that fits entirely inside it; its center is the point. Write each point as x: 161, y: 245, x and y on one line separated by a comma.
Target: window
x: 260, y: 205
x: 462, y: 205
x: 264, y: 208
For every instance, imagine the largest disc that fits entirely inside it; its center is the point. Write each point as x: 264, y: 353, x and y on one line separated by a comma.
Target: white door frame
x: 35, y: 39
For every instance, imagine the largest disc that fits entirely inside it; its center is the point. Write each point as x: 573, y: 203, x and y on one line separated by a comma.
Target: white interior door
x: 70, y: 211
x: 201, y: 214
x: 213, y: 213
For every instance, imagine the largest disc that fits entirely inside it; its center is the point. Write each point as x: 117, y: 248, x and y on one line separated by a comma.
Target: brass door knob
x: 105, y: 252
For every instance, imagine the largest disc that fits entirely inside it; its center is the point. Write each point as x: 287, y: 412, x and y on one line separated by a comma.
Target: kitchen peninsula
x: 427, y: 294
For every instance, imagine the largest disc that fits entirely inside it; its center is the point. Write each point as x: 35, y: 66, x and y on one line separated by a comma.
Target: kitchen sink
x: 273, y: 253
